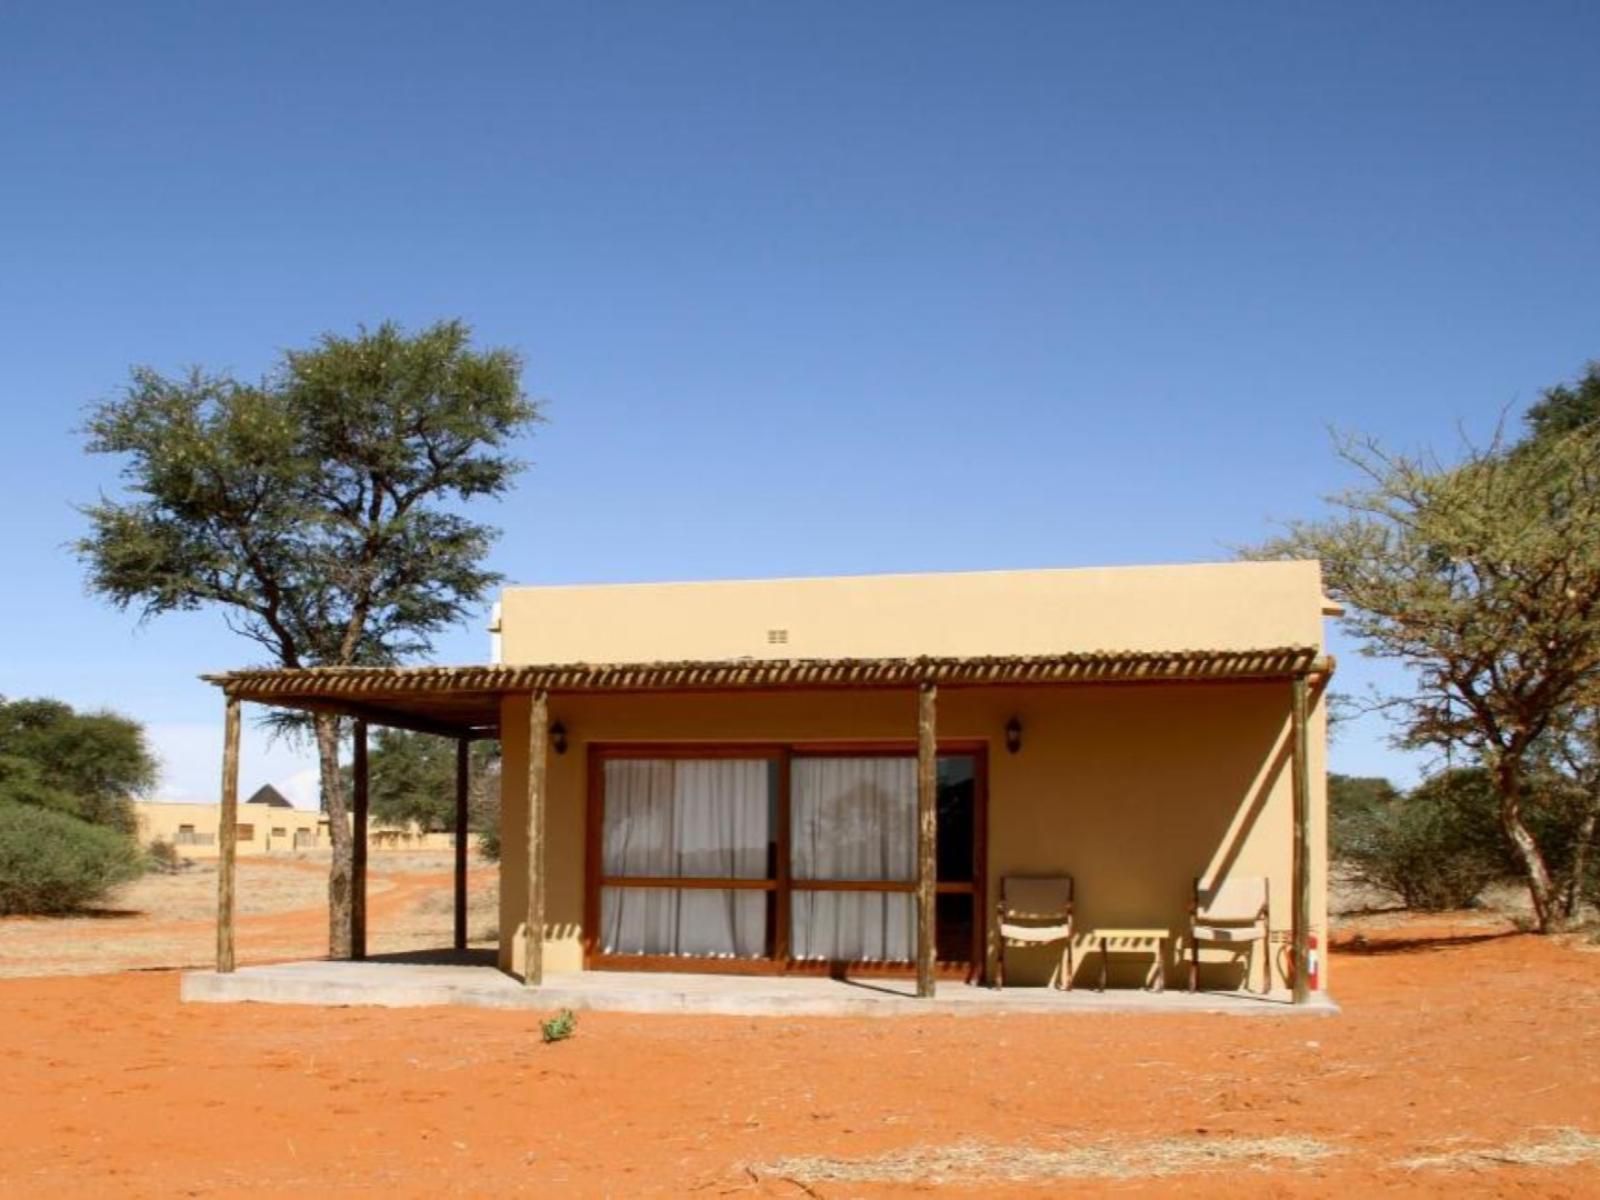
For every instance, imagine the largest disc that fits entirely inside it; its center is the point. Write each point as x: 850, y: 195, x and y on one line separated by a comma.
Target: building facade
x: 838, y: 775
x: 775, y: 830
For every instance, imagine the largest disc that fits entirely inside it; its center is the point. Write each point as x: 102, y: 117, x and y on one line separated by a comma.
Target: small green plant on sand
x: 560, y: 1027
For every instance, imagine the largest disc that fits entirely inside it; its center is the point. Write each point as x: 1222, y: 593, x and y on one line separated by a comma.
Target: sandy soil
x: 169, y: 920
x: 1467, y: 1060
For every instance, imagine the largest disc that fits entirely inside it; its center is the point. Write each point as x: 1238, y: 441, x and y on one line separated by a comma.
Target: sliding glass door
x: 776, y: 858
x: 853, y: 858
x: 688, y: 849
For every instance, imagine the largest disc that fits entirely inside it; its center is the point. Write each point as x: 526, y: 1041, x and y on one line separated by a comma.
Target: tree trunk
x: 341, y: 871
x: 1540, y: 888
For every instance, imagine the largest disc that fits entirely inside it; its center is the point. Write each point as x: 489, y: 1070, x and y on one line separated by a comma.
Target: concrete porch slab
x: 411, y: 981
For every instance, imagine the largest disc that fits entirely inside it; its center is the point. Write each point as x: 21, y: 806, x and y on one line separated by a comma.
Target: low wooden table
x: 1140, y: 941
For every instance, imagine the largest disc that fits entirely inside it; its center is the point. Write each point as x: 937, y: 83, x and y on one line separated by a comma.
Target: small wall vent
x: 777, y: 637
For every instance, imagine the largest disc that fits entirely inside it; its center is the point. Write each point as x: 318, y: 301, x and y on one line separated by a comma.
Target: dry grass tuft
x: 1558, y: 1148
x: 971, y: 1161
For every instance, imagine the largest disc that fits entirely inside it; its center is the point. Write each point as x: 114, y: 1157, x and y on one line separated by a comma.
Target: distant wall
x: 192, y: 830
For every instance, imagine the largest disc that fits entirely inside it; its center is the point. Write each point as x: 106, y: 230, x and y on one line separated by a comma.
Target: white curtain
x: 671, y: 818
x: 854, y: 926
x: 854, y: 818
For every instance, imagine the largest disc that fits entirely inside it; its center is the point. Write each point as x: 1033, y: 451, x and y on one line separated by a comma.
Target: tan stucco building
x: 192, y: 830
x: 266, y: 824
x: 837, y: 774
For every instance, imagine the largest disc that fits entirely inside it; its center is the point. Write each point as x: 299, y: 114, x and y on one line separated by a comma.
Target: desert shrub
x: 1556, y: 815
x: 1353, y: 801
x: 53, y: 863
x: 1553, y: 809
x: 163, y: 856
x: 489, y: 844
x: 1436, y: 848
x: 88, y: 765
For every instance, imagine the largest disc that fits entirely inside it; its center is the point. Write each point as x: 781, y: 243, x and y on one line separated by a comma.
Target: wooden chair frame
x: 1251, y: 930
x: 1005, y: 915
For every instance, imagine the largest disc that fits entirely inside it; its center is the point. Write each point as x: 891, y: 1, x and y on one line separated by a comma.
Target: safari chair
x: 1232, y: 913
x: 1036, y: 911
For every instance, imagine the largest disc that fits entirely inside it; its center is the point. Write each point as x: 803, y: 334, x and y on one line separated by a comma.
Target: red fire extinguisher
x: 1313, y: 963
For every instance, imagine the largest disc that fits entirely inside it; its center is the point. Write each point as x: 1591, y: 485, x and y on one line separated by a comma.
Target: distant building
x: 270, y: 796
x: 268, y: 824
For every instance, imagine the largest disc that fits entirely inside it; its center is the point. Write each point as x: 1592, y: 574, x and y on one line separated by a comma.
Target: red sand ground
x: 1452, y: 1040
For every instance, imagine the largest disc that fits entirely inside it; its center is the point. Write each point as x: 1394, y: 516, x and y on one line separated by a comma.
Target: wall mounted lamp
x: 1013, y: 735
x: 558, y: 737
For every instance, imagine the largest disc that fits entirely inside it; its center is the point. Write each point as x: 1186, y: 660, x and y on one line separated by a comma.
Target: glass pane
x: 854, y: 818
x: 958, y: 807
x: 953, y: 927
x: 672, y: 818
x: 853, y: 926
x: 692, y: 922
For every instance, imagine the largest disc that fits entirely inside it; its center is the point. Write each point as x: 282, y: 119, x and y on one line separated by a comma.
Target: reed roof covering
x: 465, y: 701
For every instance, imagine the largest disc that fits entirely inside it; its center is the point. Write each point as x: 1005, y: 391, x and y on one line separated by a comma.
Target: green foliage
x: 560, y: 1027
x: 67, y: 780
x: 54, y: 863
x: 486, y: 798
x: 1566, y: 408
x: 489, y: 842
x: 318, y: 507
x: 1354, y: 804
x: 1572, y: 747
x: 412, y: 777
x: 1440, y: 845
x: 1483, y: 578
x: 87, y: 765
x: 1435, y: 849
x: 1560, y: 814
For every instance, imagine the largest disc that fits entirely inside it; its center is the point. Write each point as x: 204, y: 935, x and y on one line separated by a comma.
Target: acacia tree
x: 1566, y: 408
x: 1574, y: 742
x: 317, y: 509
x: 1484, y: 579
x: 412, y: 778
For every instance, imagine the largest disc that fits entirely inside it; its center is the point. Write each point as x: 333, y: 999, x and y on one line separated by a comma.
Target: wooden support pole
x: 538, y: 753
x: 463, y: 767
x: 927, y: 835
x: 358, y: 846
x: 1302, y: 843
x: 228, y: 836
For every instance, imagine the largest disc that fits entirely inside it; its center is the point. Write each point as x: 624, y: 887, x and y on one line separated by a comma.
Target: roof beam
x: 1130, y: 667
x: 373, y: 714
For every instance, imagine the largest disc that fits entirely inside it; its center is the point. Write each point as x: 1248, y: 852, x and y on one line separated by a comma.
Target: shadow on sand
x: 1420, y: 944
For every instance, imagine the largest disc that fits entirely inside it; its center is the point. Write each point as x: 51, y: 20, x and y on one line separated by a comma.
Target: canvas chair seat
x: 1231, y: 913
x: 1034, y: 933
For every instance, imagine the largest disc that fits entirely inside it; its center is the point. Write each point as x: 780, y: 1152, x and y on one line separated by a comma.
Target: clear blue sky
x: 809, y: 288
